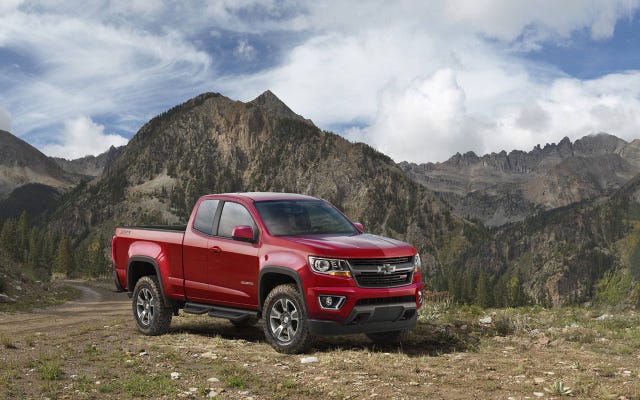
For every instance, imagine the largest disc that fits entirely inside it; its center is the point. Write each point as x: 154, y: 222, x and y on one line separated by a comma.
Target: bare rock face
x: 499, y: 188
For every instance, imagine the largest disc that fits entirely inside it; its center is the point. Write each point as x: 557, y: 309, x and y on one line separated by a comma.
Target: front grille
x: 382, y: 272
x: 379, y: 261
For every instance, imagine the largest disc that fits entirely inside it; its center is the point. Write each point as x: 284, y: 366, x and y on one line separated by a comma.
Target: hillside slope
x: 21, y: 163
x: 559, y: 257
x: 29, y: 180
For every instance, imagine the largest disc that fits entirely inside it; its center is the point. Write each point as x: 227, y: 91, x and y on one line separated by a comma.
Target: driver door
x: 234, y: 264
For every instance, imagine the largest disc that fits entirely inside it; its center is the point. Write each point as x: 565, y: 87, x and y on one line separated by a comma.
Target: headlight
x: 329, y: 266
x: 417, y: 264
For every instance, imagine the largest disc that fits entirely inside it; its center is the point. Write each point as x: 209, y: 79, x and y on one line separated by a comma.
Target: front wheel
x: 150, y: 310
x: 286, y: 326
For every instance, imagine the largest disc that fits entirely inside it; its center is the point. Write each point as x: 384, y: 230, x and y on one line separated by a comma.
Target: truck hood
x: 361, y: 245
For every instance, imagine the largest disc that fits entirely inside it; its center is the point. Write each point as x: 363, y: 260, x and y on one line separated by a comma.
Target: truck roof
x: 266, y: 196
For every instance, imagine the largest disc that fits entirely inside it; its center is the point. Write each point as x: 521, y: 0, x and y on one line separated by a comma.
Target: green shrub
x: 615, y: 287
x: 504, y: 326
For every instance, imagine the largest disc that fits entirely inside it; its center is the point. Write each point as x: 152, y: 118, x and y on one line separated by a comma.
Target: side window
x: 233, y: 214
x: 204, y: 216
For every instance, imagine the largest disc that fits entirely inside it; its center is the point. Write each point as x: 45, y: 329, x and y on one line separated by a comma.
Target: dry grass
x: 450, y: 355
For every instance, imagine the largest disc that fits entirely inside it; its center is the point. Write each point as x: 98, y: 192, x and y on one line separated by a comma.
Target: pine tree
x: 499, y: 293
x: 22, y: 237
x: 482, y: 290
x: 81, y: 260
x: 8, y: 237
x: 34, y: 244
x: 62, y: 262
x: 49, y: 249
x: 515, y: 294
x: 468, y: 288
x: 96, y: 258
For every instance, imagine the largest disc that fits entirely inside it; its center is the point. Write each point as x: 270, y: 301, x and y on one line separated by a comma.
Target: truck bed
x: 163, y: 243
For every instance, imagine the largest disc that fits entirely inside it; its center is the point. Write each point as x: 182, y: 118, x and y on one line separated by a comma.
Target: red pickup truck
x: 294, y: 261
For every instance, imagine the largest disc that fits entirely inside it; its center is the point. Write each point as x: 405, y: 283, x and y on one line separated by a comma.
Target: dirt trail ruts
x: 98, y: 302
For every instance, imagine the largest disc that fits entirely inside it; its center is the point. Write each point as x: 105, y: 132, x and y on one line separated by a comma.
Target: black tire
x: 246, y: 322
x: 386, y: 338
x: 150, y: 310
x: 285, y: 322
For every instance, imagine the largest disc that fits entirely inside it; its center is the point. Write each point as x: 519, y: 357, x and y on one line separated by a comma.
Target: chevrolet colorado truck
x: 294, y: 262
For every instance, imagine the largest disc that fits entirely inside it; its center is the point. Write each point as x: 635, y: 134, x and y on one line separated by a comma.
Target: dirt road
x: 98, y: 302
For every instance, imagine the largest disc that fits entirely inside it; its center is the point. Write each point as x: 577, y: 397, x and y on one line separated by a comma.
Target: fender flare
x: 276, y: 269
x: 146, y: 260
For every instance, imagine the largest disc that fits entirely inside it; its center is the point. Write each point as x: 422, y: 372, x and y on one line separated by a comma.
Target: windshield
x: 303, y: 217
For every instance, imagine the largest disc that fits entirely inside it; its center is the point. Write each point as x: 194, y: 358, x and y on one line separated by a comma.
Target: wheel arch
x: 272, y: 276
x: 140, y: 266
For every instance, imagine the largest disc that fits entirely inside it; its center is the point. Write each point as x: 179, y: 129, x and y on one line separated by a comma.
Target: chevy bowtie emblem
x: 386, y: 269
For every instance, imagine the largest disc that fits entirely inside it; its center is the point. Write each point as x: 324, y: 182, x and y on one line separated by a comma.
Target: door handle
x: 215, y: 249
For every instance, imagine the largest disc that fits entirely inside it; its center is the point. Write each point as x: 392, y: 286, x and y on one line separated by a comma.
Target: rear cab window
x: 205, y: 216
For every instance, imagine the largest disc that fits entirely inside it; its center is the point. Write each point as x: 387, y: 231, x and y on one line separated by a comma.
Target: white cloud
x: 81, y: 137
x: 574, y: 108
x: 421, y: 121
x: 5, y: 120
x: 245, y: 50
x: 421, y: 81
x: 10, y: 5
x: 507, y: 20
x: 88, y: 67
x: 429, y: 120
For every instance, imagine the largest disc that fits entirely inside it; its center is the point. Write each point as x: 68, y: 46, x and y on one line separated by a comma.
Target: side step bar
x: 233, y: 314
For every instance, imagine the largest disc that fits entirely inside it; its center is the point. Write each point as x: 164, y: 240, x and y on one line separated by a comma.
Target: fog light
x: 331, y: 302
x: 420, y: 299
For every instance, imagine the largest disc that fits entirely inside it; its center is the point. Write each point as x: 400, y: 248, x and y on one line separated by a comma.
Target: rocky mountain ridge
x: 503, y: 187
x: 88, y: 166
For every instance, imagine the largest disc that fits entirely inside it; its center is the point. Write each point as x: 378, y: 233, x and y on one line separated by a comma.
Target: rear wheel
x: 286, y: 326
x: 386, y: 338
x: 150, y: 310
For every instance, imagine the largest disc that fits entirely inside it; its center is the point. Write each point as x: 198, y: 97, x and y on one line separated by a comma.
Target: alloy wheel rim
x: 284, y: 320
x: 145, y: 306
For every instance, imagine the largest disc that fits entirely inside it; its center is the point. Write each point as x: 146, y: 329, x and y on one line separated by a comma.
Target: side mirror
x: 242, y: 233
x: 359, y: 227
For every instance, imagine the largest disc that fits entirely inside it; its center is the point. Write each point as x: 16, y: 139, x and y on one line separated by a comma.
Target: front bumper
x: 365, y: 310
x: 370, y: 319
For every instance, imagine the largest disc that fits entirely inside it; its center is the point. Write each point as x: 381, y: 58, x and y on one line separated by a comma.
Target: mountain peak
x: 600, y: 143
x: 267, y: 96
x: 269, y: 101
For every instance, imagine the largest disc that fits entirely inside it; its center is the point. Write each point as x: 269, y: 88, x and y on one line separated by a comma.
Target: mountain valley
x: 557, y: 225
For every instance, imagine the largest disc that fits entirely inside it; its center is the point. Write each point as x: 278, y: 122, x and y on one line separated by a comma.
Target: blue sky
x: 417, y: 80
